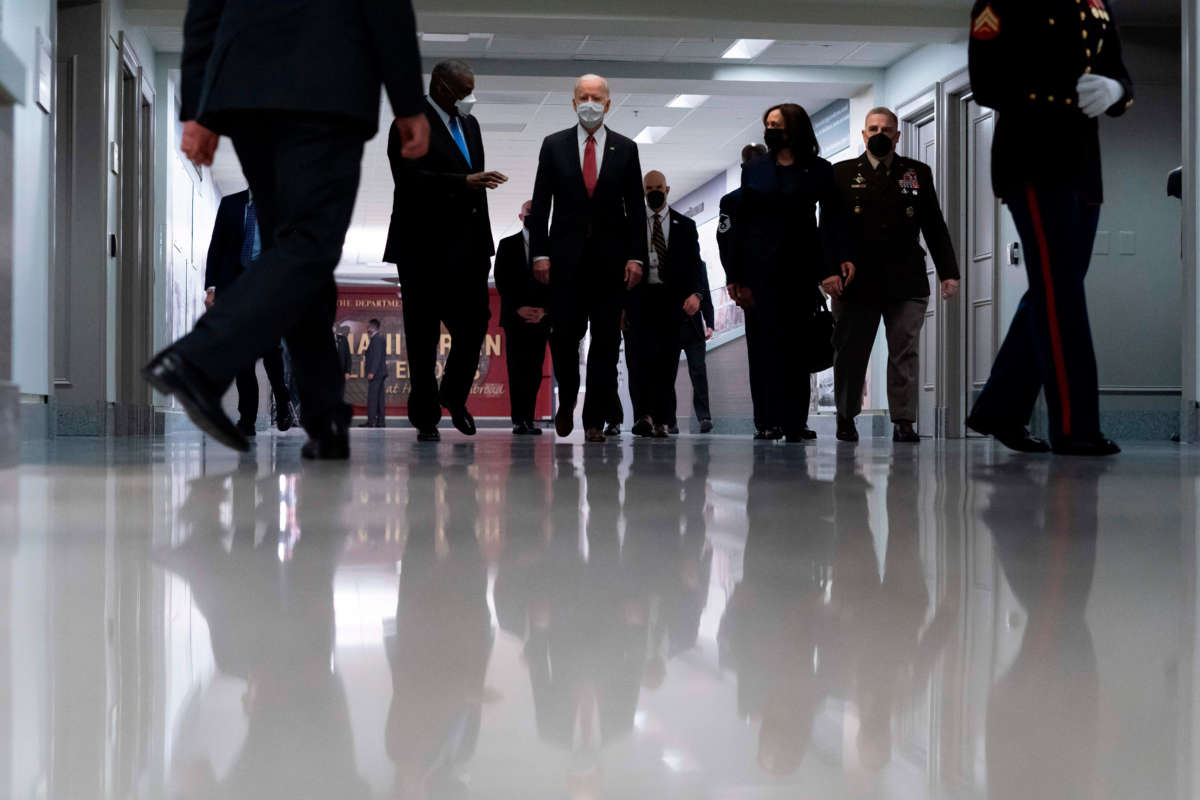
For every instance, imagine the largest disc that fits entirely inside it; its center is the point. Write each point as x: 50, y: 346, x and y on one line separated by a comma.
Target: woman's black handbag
x: 820, y: 337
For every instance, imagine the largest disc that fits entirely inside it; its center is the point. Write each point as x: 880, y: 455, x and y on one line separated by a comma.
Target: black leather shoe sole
x: 329, y: 439
x: 1017, y: 439
x: 463, y: 421
x: 564, y: 421
x: 169, y: 374
x: 1087, y: 447
x: 906, y: 437
x: 285, y: 423
x: 643, y: 427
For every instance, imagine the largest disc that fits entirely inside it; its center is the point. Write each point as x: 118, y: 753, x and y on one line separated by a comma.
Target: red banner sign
x: 489, y: 394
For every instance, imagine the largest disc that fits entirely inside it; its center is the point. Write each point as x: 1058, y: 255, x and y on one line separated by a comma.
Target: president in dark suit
x: 297, y: 88
x: 670, y: 294
x: 236, y: 243
x: 594, y: 252
x: 375, y: 365
x: 523, y: 304
x: 440, y: 240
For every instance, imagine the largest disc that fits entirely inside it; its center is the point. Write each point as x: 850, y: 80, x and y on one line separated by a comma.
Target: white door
x: 923, y: 147
x: 980, y: 247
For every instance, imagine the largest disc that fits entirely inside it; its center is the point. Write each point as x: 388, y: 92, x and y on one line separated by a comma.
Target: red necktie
x: 589, y: 165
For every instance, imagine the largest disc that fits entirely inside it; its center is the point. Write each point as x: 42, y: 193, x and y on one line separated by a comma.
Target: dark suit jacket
x: 515, y: 282
x: 707, y: 316
x: 224, y: 262
x: 343, y: 349
x: 612, y: 222
x: 313, y: 56
x: 436, y: 219
x: 376, y: 358
x: 887, y: 216
x: 683, y: 271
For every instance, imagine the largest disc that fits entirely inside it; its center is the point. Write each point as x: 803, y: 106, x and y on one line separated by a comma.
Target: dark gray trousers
x: 853, y: 338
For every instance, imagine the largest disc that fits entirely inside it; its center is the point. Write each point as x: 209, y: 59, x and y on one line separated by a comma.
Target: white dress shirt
x: 665, y: 215
x: 601, y: 136
x: 445, y: 118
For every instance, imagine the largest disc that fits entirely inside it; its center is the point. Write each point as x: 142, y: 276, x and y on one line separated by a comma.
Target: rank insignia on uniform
x: 912, y: 212
x: 725, y: 224
x: 859, y: 181
x: 986, y: 26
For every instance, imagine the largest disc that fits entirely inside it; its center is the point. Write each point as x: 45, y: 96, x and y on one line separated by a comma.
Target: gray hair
x: 887, y: 112
x: 453, y: 68
x: 590, y: 77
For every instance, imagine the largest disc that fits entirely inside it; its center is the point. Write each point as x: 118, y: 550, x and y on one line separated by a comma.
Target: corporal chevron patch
x: 986, y: 25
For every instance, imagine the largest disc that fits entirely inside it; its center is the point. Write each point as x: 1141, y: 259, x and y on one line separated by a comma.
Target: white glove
x: 1098, y: 94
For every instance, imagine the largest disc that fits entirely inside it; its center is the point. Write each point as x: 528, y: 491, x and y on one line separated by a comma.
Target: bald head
x: 657, y: 190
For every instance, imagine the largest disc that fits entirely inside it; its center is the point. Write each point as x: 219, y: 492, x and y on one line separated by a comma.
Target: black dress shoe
x: 329, y: 436
x: 706, y: 426
x: 284, y: 421
x: 429, y: 435
x: 644, y: 427
x: 1097, y: 446
x: 594, y: 436
x: 246, y: 428
x: 662, y: 432
x: 170, y: 374
x: 534, y: 430
x: 613, y: 430
x: 805, y: 434
x: 523, y: 429
x: 463, y: 420
x: 1014, y: 437
x: 367, y: 425
x: 903, y: 432
x: 846, y: 432
x: 564, y: 420
x: 673, y: 430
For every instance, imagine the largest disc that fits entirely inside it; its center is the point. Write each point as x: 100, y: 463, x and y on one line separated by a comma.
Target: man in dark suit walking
x: 341, y: 340
x: 297, y: 89
x: 523, y: 304
x: 236, y: 243
x: 670, y: 294
x: 594, y: 252
x: 440, y: 240
x: 375, y: 364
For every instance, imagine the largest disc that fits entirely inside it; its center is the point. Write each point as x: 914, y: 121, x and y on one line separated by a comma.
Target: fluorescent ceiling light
x: 746, y: 49
x: 446, y: 38
x: 688, y: 101
x: 651, y: 134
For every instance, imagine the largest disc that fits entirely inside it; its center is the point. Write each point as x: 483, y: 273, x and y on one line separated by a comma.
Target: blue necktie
x: 249, y: 236
x: 457, y: 133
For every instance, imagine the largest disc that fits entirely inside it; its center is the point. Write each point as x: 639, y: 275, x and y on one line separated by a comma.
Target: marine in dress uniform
x: 890, y: 202
x: 1046, y: 168
x: 523, y: 315
x: 727, y: 228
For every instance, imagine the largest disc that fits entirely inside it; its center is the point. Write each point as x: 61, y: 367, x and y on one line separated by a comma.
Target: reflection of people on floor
x: 1042, y: 713
x: 443, y: 637
x: 775, y: 622
x: 880, y: 641
x: 271, y: 622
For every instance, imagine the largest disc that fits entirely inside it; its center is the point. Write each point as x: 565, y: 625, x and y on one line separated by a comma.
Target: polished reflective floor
x: 702, y: 618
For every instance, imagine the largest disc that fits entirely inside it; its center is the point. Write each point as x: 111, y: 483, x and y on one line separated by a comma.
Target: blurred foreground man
x: 593, y: 254
x: 297, y: 89
x: 1046, y: 169
x: 890, y: 202
x: 440, y: 240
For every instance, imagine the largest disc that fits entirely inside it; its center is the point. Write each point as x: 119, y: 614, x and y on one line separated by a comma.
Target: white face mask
x: 465, y: 105
x: 591, y: 113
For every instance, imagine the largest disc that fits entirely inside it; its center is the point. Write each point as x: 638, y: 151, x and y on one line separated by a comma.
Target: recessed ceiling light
x: 746, y: 49
x: 651, y: 134
x: 446, y: 38
x: 688, y: 101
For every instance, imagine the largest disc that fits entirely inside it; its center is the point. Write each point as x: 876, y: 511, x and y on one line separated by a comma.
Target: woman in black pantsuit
x: 781, y: 255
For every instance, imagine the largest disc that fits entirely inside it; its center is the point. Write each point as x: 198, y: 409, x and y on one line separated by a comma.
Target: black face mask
x: 656, y: 199
x: 525, y: 223
x: 880, y: 145
x: 775, y: 139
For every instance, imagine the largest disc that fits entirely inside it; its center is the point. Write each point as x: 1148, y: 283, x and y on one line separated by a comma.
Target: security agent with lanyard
x: 297, y: 89
x: 671, y: 293
x: 727, y: 229
x: 440, y: 240
x: 526, y: 323
x: 1054, y: 192
x: 236, y: 244
x: 781, y: 254
x: 890, y: 202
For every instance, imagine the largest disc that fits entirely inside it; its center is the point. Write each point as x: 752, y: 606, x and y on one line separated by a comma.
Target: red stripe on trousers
x: 1056, y: 346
